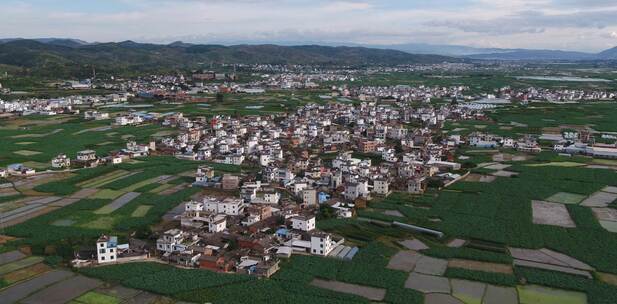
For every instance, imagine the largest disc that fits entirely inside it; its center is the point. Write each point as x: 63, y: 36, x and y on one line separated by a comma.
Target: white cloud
x: 515, y: 23
x: 343, y: 6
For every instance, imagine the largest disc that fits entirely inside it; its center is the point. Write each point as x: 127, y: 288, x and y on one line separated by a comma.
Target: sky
x: 581, y: 25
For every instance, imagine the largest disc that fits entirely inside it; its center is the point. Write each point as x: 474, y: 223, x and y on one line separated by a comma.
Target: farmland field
x: 510, y: 199
x: 141, y: 211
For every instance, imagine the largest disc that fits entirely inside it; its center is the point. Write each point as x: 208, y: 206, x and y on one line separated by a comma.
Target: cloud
x: 533, y: 22
x: 343, y: 6
x: 514, y: 23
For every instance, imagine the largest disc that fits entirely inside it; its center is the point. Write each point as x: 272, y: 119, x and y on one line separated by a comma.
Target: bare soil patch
x: 480, y: 266
x: 554, y: 214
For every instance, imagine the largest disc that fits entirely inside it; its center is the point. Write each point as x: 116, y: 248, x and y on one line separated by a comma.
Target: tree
x: 220, y: 97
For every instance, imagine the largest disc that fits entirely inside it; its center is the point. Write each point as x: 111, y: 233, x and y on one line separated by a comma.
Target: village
x: 321, y: 161
x: 252, y: 180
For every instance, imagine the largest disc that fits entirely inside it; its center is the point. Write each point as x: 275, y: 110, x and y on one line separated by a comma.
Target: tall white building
x: 228, y: 206
x: 304, y: 223
x: 107, y: 249
x: 321, y: 244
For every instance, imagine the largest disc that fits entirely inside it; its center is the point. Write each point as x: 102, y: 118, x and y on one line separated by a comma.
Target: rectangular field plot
x: 103, y: 223
x: 371, y: 293
x: 36, y: 165
x: 161, y: 188
x: 610, y: 189
x: 27, y: 152
x: 84, y: 193
x: 23, y: 289
x: 26, y: 273
x: 600, y: 199
x: 11, y: 256
x: 10, y: 267
x: 479, y: 178
x: 63, y: 223
x: 138, y: 185
x: 64, y: 291
x: 107, y: 194
x: 554, y: 214
x: 93, y: 297
x: 104, y: 179
x: 566, y: 198
x: 141, y: 211
x: 118, y: 203
x: 533, y: 294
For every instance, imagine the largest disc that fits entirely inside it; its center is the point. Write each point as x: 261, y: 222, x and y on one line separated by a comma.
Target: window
x: 111, y: 250
x: 111, y: 257
x: 102, y: 251
x: 102, y: 245
x: 102, y: 258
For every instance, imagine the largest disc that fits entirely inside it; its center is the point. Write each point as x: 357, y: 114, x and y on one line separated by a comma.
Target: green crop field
x: 97, y: 298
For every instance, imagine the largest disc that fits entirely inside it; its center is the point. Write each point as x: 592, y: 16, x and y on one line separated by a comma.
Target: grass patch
x: 27, y: 152
x: 141, y: 211
x: 102, y: 180
x: 566, y: 198
x: 23, y: 263
x: 107, y: 194
x: 96, y: 298
x: 161, y: 188
x: 534, y: 294
x: 481, y: 276
x: 102, y: 223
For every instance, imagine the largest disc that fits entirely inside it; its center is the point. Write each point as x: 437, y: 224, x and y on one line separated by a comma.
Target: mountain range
x: 460, y: 51
x: 57, y: 57
x: 64, y: 57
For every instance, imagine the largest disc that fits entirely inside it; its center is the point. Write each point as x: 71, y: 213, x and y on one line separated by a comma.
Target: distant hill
x: 537, y: 55
x: 56, y: 41
x: 439, y: 49
x: 66, y: 57
x: 499, y: 54
x: 609, y: 54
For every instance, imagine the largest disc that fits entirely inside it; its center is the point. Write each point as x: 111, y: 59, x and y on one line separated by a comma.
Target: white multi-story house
x: 129, y: 120
x: 61, y: 161
x: 356, y: 190
x: 228, y: 206
x: 204, y: 174
x: 321, y: 244
x: 137, y: 150
x: 195, y: 216
x: 416, y: 185
x: 95, y: 115
x: 265, y: 159
x: 381, y: 186
x: 303, y: 223
x: 170, y: 240
x: 272, y: 197
x: 309, y: 196
x: 86, y: 155
x: 107, y: 249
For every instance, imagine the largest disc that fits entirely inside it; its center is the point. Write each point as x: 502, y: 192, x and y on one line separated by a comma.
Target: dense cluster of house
x: 336, y: 150
x: 89, y: 158
x: 526, y: 144
x: 232, y: 235
x: 583, y: 142
x: 60, y: 105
